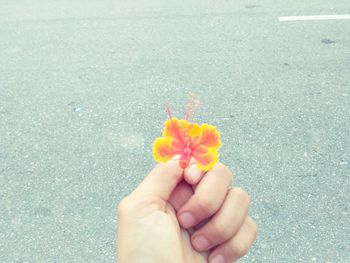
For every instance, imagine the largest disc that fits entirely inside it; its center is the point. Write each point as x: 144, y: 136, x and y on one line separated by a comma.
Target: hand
x: 185, y: 216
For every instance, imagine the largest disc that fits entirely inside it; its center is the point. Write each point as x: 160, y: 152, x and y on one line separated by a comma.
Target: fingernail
x: 194, y: 172
x: 201, y: 243
x: 218, y: 259
x: 187, y: 220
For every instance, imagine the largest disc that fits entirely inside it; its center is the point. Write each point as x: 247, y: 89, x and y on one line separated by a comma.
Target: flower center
x: 185, y: 157
x: 187, y: 150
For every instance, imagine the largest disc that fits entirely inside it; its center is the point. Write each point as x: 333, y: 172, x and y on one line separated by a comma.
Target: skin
x: 185, y: 216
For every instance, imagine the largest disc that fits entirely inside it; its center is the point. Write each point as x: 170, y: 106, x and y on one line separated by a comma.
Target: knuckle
x: 242, y: 195
x: 241, y: 249
x: 228, y: 177
x: 252, y: 226
x: 124, y: 205
x: 205, y: 205
x: 221, y: 233
x: 225, y: 170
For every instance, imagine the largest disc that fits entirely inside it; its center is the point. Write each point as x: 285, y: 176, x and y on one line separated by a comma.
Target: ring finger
x: 225, y: 223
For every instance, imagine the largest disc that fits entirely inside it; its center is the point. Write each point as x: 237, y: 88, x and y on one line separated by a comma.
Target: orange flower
x: 188, y: 139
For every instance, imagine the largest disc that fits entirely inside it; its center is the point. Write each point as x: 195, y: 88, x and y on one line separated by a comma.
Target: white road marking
x: 313, y: 18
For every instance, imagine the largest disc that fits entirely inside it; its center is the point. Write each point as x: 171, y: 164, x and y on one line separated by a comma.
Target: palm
x: 180, y: 238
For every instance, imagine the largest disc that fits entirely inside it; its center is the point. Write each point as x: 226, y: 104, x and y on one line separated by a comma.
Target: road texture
x: 83, y: 86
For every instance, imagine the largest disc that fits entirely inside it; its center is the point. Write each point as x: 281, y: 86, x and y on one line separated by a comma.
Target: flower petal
x: 165, y: 148
x: 175, y: 128
x: 200, y: 150
x: 206, y: 157
x: 210, y: 136
x: 194, y: 130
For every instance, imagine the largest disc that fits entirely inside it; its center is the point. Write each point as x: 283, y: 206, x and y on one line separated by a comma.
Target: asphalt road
x: 83, y: 85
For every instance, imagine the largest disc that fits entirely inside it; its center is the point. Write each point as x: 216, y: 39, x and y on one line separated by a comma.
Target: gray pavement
x: 83, y: 86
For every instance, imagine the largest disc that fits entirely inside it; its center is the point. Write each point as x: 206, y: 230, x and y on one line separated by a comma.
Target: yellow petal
x: 163, y: 149
x: 194, y: 130
x: 207, y: 160
x: 210, y: 136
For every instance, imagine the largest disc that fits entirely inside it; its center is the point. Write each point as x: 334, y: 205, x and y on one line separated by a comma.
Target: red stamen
x: 185, y: 158
x: 192, y: 107
x: 168, y: 110
x: 188, y: 109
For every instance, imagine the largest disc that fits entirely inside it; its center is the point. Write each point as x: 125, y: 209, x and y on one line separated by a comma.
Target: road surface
x: 83, y: 88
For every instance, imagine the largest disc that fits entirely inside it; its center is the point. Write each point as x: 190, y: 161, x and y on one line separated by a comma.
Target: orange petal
x: 200, y: 150
x: 210, y: 136
x: 206, y: 157
x: 175, y: 128
x: 164, y: 149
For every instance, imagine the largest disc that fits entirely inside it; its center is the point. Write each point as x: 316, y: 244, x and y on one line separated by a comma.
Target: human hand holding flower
x: 185, y: 210
x: 176, y: 216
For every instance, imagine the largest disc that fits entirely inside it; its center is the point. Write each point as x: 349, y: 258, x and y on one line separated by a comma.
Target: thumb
x: 162, y: 180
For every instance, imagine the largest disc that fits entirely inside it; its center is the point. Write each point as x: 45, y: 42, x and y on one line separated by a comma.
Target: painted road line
x: 313, y: 18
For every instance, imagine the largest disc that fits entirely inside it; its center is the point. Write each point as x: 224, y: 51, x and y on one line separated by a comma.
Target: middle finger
x: 209, y: 195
